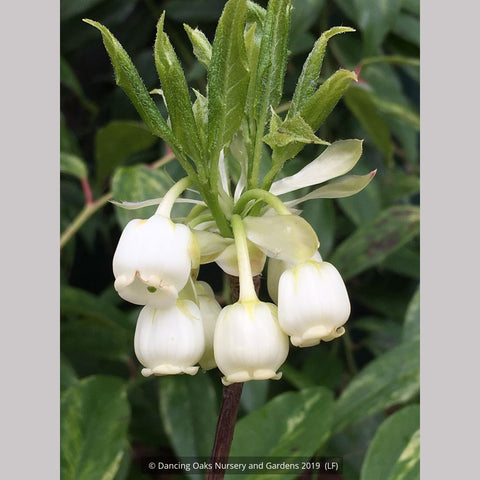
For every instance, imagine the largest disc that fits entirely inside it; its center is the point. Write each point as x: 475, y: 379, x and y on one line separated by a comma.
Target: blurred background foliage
x: 356, y: 397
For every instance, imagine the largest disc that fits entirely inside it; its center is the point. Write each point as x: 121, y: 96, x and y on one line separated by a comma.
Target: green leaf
x: 364, y: 206
x: 412, y: 6
x: 90, y: 330
x: 295, y: 377
x: 324, y: 367
x: 389, y: 442
x: 408, y: 28
x: 200, y: 112
x: 291, y: 132
x: 255, y: 13
x: 75, y: 301
x: 381, y: 334
x: 129, y: 80
x: 308, y: 80
x: 137, y: 183
x: 371, y: 243
x: 401, y: 112
x: 397, y: 185
x: 375, y: 18
x: 408, y: 465
x: 323, y: 101
x: 202, y: 48
x: 254, y: 394
x: 73, y: 165
x: 188, y: 408
x: 353, y: 442
x: 360, y: 103
x: 227, y: 78
x: 321, y: 216
x: 116, y: 142
x: 94, y: 421
x: 411, y: 326
x: 93, y: 332
x: 272, y: 59
x: 390, y: 379
x: 293, y: 424
x: 68, y: 376
x: 405, y: 261
x: 175, y: 92
x: 68, y: 141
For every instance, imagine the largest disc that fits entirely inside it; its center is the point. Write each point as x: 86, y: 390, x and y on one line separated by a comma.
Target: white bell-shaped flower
x: 209, y: 310
x: 275, y: 269
x: 248, y: 342
x: 313, y: 303
x: 169, y: 341
x: 153, y: 261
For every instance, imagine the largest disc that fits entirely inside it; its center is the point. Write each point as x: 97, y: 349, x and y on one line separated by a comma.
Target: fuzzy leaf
x: 175, y: 92
x: 272, y: 59
x: 307, y: 82
x: 323, y: 101
x: 227, y: 78
x: 202, y: 48
x: 129, y: 80
x: 292, y: 131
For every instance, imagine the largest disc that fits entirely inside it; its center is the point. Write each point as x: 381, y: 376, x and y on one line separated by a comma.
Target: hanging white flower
x: 276, y: 268
x: 313, y: 303
x: 153, y: 261
x: 248, y: 342
x: 169, y: 341
x: 209, y: 310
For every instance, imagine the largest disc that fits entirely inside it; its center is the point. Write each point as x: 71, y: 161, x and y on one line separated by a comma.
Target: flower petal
x: 153, y: 201
x: 286, y: 237
x: 338, y: 158
x: 211, y: 245
x: 345, y: 187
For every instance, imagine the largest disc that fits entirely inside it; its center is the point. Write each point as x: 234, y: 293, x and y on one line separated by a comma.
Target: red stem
x: 229, y: 407
x: 87, y: 191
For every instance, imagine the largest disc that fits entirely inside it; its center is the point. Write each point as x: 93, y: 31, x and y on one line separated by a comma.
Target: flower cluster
x: 182, y: 326
x: 232, y: 142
